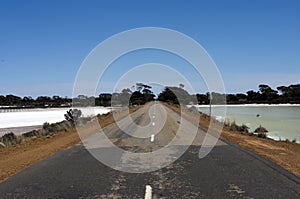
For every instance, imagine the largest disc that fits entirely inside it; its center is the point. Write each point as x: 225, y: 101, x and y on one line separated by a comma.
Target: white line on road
x: 148, y: 193
x: 153, y: 123
x: 153, y: 116
x: 152, y: 138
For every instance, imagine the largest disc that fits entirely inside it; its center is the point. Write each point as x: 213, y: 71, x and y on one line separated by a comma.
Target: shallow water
x: 282, y: 121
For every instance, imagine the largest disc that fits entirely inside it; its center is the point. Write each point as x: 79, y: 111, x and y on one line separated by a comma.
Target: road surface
x: 227, y: 172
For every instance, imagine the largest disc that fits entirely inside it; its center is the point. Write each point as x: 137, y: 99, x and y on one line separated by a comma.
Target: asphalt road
x: 227, y: 172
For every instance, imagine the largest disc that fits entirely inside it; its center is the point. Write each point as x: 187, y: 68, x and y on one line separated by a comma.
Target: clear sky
x: 43, y: 43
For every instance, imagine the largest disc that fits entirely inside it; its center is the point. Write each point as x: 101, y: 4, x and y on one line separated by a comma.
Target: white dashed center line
x: 148, y: 193
x: 152, y: 138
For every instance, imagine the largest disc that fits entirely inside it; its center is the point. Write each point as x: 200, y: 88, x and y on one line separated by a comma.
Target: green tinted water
x: 281, y: 121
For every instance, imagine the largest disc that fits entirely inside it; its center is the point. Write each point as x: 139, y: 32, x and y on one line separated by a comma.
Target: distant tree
x: 105, y: 99
x: 242, y: 98
x: 232, y: 99
x: 57, y: 101
x: 175, y: 95
x: 139, y: 86
x: 125, y: 96
x: 137, y: 98
x: 253, y: 97
x: 168, y: 96
x: 3, y: 101
x: 218, y: 98
x: 294, y: 93
x: 43, y: 101
x: 268, y: 94
x: 27, y: 101
x: 13, y: 100
x: 202, y: 99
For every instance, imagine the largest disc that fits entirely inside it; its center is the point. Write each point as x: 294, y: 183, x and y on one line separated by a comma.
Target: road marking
x: 153, y: 123
x: 148, y: 193
x: 153, y: 116
x: 152, y: 138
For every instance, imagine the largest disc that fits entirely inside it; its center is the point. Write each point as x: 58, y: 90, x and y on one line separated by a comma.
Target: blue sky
x: 43, y: 43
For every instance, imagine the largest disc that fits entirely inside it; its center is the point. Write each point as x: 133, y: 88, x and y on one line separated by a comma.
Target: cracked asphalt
x: 226, y: 172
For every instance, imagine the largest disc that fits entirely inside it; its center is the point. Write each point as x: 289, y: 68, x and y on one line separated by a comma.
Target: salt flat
x: 26, y: 119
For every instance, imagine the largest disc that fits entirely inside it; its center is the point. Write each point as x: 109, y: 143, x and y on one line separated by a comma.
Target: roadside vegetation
x: 73, y: 117
x: 260, y: 132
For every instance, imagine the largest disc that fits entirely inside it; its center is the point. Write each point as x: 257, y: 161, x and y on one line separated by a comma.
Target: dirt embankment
x: 285, y: 154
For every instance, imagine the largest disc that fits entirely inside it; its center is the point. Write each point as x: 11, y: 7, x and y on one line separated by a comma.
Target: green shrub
x: 11, y: 139
x: 31, y: 133
x: 243, y: 128
x: 261, y: 132
x: 73, y: 115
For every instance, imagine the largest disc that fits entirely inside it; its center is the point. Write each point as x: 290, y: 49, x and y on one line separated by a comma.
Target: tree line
x: 29, y: 102
x: 141, y: 93
x: 264, y: 95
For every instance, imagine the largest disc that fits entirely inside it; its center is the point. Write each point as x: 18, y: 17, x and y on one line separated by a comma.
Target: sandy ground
x: 18, y: 157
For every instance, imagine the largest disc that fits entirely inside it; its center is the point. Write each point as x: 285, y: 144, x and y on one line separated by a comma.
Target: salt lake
x: 20, y: 121
x: 282, y: 121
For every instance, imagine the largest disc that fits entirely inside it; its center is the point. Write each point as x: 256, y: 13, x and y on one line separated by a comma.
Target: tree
x: 202, y: 99
x: 13, y: 100
x: 292, y: 92
x: 124, y: 96
x: 175, y: 95
x: 43, y: 101
x: 252, y: 96
x: 137, y: 98
x: 105, y: 99
x: 3, y: 100
x: 232, y: 99
x: 268, y: 94
x: 242, y: 98
x: 217, y: 98
x: 27, y: 101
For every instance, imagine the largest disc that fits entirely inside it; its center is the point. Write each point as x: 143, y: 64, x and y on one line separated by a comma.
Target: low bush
x: 261, y: 132
x: 31, y: 134
x: 232, y: 126
x: 49, y: 129
x: 11, y: 139
x: 73, y: 115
